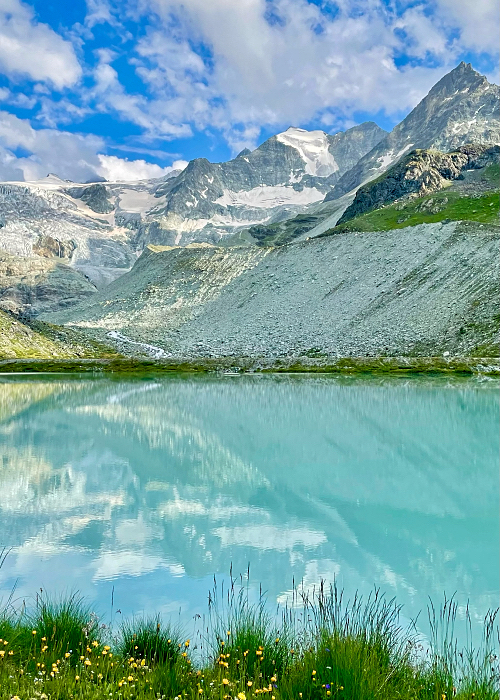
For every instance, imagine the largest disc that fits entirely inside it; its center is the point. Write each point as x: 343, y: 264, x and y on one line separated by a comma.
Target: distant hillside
x: 421, y: 290
x: 394, y: 201
x: 423, y: 172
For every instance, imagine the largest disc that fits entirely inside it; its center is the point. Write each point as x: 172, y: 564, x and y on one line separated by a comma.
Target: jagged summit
x: 464, y: 76
x: 463, y: 107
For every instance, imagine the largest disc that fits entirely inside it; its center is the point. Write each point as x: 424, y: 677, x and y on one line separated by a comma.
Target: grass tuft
x: 322, y: 647
x: 149, y: 639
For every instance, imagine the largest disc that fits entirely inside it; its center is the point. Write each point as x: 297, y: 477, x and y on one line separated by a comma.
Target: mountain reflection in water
x: 152, y: 486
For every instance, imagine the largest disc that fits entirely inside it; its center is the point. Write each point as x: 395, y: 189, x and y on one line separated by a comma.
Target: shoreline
x: 489, y: 366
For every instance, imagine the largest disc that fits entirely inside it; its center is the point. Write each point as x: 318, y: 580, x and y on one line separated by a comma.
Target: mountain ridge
x: 447, y: 117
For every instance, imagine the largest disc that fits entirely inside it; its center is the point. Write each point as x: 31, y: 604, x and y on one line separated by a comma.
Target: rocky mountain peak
x: 460, y: 78
x: 463, y: 107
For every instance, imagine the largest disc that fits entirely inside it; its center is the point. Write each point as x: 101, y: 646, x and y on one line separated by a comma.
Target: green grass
x: 440, y: 206
x: 322, y: 647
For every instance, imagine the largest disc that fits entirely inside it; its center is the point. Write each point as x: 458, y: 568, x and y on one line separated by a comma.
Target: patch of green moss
x: 444, y: 205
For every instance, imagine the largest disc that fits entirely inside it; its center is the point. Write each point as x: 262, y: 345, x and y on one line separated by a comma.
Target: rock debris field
x: 425, y: 290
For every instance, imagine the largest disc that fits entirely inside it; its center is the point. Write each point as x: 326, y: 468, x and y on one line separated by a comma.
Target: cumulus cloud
x: 281, y: 62
x: 70, y: 156
x: 117, y: 169
x: 477, y: 21
x: 32, y: 49
x: 230, y: 68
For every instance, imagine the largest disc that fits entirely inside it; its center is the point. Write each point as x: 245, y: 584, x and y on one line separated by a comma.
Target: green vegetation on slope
x: 328, y: 649
x: 44, y: 341
x: 284, y: 232
x: 445, y: 205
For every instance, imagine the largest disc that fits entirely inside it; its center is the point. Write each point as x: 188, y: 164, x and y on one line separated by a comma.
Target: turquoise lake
x: 142, y: 490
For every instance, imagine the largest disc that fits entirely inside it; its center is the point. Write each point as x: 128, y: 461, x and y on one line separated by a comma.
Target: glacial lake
x: 137, y: 491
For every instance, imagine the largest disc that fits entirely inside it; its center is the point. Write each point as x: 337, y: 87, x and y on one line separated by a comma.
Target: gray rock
x: 419, y: 173
x: 31, y: 285
x: 417, y: 291
x: 95, y: 196
x: 463, y: 107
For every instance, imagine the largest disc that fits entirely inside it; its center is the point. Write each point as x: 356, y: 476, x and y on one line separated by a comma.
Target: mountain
x: 423, y: 172
x: 281, y: 177
x: 463, y: 107
x: 295, y: 185
x: 99, y: 228
x: 421, y: 290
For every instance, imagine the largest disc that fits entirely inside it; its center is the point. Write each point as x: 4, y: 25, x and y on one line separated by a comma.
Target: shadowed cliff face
x: 421, y: 290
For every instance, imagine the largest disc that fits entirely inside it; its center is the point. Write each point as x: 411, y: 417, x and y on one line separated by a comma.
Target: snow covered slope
x: 99, y: 228
x: 314, y: 150
x: 277, y: 180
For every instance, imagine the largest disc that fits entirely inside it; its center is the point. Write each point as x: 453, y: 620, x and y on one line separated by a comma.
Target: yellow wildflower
x: 225, y: 681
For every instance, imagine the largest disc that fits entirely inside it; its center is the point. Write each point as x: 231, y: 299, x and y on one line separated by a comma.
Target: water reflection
x: 153, y: 486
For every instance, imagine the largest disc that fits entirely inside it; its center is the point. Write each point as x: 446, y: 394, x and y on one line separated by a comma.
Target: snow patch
x: 313, y: 148
x: 269, y: 196
x: 391, y: 157
x: 137, y: 201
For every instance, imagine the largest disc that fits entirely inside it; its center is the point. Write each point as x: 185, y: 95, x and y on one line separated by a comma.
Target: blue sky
x: 131, y: 88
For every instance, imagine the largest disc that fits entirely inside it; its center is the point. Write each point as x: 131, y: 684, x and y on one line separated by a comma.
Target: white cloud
x: 302, y: 66
x: 33, y: 49
x: 71, y: 156
x: 478, y: 21
x: 117, y: 169
x: 111, y: 96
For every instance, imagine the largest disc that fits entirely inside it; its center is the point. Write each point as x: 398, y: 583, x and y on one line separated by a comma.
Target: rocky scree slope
x: 33, y: 284
x: 419, y: 173
x: 463, y: 107
x: 421, y: 290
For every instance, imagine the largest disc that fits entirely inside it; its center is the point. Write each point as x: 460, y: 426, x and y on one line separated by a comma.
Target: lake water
x: 145, y: 488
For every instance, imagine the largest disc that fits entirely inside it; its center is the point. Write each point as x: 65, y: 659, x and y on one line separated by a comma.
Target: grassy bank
x: 444, y: 205
x: 312, y: 362
x: 324, y: 648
